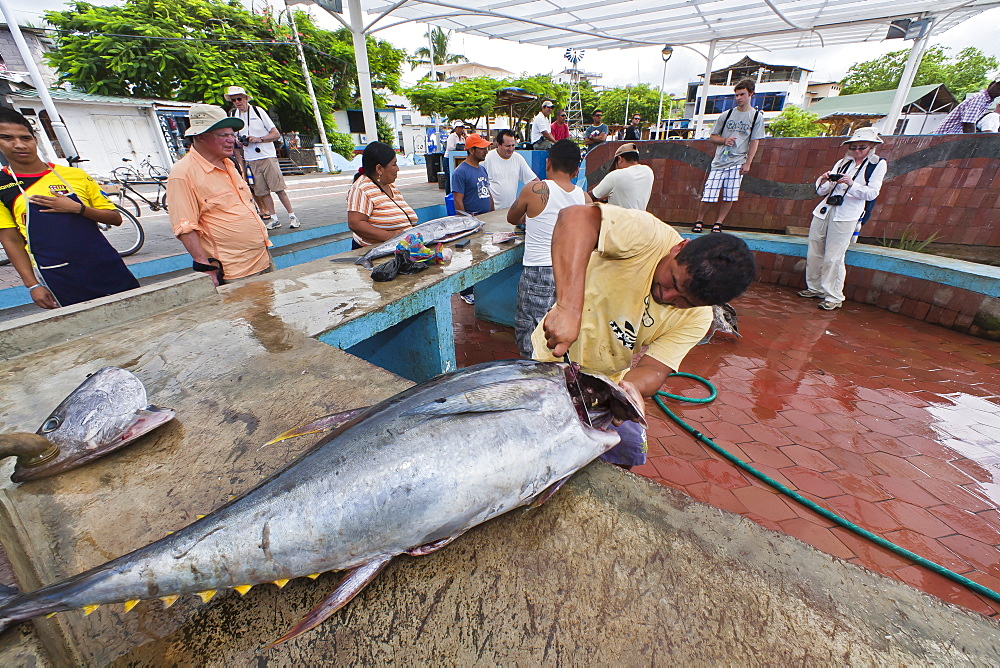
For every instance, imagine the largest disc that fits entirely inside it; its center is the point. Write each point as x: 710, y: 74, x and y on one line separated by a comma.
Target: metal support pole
x: 317, y: 116
x: 906, y: 81
x: 364, y: 70
x: 62, y: 134
x: 434, y: 116
x: 700, y: 115
x: 665, y: 54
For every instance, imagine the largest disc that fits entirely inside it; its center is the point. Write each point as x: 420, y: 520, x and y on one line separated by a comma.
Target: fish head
x: 599, y: 401
x: 106, y: 412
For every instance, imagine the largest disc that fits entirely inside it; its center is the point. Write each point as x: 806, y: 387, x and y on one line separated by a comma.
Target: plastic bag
x: 401, y: 263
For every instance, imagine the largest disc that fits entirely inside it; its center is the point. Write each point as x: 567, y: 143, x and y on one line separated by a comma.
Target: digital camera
x: 835, y: 200
x: 245, y: 140
x: 834, y: 176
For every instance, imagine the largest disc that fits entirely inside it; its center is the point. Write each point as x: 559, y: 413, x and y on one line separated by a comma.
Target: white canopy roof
x: 616, y: 24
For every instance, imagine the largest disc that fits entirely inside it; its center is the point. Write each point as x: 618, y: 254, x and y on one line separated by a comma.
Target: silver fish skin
x: 434, y: 231
x: 106, y: 412
x: 425, y: 465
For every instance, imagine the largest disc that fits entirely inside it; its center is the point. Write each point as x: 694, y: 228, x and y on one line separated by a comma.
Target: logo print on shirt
x: 647, y: 320
x: 626, y: 336
x: 59, y: 189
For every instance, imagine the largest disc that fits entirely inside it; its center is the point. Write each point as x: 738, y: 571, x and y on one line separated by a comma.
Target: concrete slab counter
x: 612, y: 570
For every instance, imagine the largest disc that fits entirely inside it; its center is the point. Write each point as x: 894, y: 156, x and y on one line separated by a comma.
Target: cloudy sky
x: 629, y: 66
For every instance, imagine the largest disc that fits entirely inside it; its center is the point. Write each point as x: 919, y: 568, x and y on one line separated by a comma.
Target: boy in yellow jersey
x: 49, y: 216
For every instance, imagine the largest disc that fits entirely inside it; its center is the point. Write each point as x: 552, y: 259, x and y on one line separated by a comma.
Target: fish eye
x: 51, y: 424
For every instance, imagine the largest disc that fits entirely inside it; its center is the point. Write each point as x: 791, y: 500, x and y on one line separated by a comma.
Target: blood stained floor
x: 888, y: 421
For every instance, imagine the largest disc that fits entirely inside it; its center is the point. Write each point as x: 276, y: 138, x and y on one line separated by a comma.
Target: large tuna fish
x: 439, y: 230
x: 408, y: 475
x: 106, y: 412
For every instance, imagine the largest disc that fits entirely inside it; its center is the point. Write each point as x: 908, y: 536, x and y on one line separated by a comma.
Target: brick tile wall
x: 931, y: 302
x: 943, y: 184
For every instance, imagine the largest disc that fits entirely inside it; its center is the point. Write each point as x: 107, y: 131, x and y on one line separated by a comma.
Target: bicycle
x: 132, y: 173
x: 126, y: 191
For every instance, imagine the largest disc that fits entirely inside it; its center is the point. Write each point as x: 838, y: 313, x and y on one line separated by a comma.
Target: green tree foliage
x: 474, y: 99
x: 795, y: 122
x: 191, y: 50
x: 965, y: 73
x: 439, y: 40
x: 640, y: 98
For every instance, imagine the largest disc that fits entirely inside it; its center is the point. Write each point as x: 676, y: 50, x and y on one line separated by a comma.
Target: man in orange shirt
x: 211, y: 208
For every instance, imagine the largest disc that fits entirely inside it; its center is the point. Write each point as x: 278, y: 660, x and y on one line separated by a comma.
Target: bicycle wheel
x: 126, y: 203
x: 126, y: 238
x: 157, y: 173
x: 125, y: 173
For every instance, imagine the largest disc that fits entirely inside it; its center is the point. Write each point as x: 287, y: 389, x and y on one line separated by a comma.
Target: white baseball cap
x: 208, y: 117
x: 235, y: 90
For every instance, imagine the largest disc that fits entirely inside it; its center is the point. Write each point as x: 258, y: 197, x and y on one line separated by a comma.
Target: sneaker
x: 468, y: 299
x: 828, y: 305
x: 809, y: 294
x: 293, y: 221
x: 272, y: 225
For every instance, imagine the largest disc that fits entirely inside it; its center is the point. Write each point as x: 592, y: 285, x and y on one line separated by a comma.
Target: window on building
x: 355, y: 121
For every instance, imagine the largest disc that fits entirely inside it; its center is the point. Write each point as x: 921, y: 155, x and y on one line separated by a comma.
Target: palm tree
x: 439, y: 40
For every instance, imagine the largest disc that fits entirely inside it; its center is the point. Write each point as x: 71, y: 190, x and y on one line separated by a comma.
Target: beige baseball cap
x: 208, y: 117
x: 626, y: 148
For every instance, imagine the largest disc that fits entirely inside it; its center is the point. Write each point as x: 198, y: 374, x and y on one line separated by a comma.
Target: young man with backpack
x: 737, y: 133
x: 257, y: 139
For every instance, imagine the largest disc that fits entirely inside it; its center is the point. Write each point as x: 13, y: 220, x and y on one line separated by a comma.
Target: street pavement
x: 318, y: 199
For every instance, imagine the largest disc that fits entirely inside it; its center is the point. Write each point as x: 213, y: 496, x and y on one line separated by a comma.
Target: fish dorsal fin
x: 519, y: 394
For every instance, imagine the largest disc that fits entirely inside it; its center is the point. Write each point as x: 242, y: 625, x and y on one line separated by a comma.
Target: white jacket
x: 857, y: 194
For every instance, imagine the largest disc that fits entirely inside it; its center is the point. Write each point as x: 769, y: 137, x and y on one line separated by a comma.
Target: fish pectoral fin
x: 325, y: 423
x: 431, y: 547
x: 352, y: 584
x: 548, y: 492
x: 146, y: 421
x: 512, y: 395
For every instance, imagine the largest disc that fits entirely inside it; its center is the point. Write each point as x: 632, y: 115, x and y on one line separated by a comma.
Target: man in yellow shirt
x: 211, y: 210
x: 625, y: 281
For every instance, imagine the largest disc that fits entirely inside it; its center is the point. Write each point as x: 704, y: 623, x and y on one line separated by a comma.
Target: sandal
x: 698, y: 228
x: 717, y: 227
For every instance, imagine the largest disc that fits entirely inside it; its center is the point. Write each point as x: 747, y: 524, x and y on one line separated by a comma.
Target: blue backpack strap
x: 869, y: 206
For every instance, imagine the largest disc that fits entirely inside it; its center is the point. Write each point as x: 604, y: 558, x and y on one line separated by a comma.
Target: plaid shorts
x: 727, y: 179
x: 536, y: 293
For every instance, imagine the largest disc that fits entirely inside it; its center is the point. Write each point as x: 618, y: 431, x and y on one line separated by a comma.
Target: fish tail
x: 7, y: 594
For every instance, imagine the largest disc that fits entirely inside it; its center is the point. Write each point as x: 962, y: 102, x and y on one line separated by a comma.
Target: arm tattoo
x: 542, y: 190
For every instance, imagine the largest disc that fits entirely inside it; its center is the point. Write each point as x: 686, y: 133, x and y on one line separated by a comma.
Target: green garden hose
x: 833, y: 517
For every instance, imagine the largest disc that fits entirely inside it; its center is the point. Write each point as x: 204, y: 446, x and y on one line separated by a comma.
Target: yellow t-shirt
x: 14, y: 207
x: 619, y: 315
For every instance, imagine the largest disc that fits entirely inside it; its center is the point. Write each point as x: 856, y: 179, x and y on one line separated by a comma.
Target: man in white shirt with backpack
x: 257, y: 139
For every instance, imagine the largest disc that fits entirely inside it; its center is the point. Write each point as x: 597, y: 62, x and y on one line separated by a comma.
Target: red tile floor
x: 888, y: 421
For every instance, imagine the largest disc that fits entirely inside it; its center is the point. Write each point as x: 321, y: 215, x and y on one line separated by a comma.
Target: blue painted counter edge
x: 18, y: 296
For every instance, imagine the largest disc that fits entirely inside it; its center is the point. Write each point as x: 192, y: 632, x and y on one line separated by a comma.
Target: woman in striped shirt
x: 376, y: 211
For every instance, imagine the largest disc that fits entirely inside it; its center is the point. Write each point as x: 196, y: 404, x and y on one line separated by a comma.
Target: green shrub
x: 908, y: 241
x: 341, y: 143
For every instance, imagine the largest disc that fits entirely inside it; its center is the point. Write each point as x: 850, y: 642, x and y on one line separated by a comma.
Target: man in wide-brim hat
x: 211, y: 208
